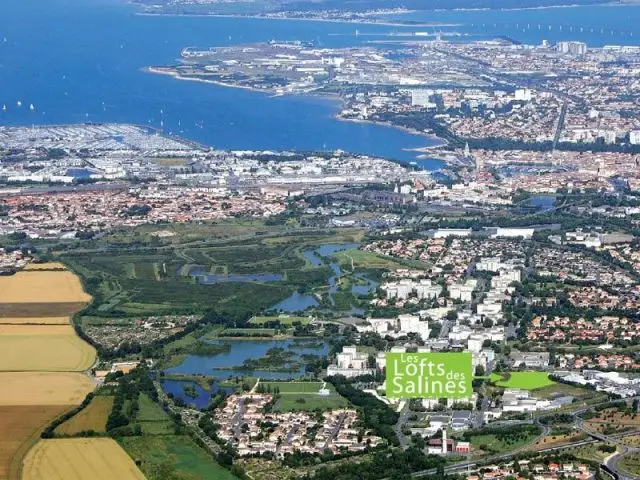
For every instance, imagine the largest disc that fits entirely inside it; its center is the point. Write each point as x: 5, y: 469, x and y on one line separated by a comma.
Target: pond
x: 222, y: 365
x: 176, y: 388
x: 544, y: 201
x: 298, y: 302
x: 206, y: 278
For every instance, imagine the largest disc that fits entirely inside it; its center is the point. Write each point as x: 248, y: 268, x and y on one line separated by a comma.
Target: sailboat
x: 19, y: 103
x: 31, y: 107
x: 4, y: 108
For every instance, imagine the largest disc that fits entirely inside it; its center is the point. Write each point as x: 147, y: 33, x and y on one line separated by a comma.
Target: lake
x: 205, y: 278
x: 244, y: 349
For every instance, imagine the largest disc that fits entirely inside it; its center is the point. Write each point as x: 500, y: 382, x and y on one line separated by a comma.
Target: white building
x: 350, y: 363
x: 574, y: 48
x: 523, y: 95
x: 525, y: 233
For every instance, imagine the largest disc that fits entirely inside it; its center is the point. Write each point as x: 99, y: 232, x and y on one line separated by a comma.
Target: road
x: 402, y: 421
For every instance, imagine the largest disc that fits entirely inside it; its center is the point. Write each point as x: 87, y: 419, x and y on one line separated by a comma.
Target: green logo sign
x: 429, y: 375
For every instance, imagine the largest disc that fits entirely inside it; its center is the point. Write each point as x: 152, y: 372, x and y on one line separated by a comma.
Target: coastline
x: 377, y: 18
x: 309, y: 19
x: 332, y: 97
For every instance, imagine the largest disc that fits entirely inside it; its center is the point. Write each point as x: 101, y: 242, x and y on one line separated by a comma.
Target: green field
x: 173, y: 457
x: 523, y: 380
x: 152, y: 419
x: 283, y: 319
x: 303, y: 396
x: 133, y: 272
x: 631, y: 464
x: 247, y: 332
x: 498, y: 440
x: 556, y: 389
x: 362, y: 259
x: 492, y: 444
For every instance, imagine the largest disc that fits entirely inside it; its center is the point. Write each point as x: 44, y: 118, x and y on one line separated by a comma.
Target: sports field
x: 79, y: 459
x: 34, y: 321
x: 48, y: 388
x: 20, y: 428
x: 42, y: 287
x: 523, y: 380
x: 53, y: 348
x: 93, y: 417
x: 303, y: 396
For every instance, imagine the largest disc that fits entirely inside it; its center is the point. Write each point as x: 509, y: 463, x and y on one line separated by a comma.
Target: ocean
x: 83, y: 60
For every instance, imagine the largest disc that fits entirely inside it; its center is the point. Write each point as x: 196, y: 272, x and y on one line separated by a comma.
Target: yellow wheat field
x: 79, y: 459
x: 42, y: 287
x: 34, y: 320
x: 43, y: 348
x: 21, y: 427
x: 44, y: 388
x: 45, y: 266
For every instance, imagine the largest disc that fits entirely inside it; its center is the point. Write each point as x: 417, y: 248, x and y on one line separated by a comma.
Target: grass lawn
x: 283, y: 319
x: 173, y: 457
x: 523, y: 380
x: 303, y: 396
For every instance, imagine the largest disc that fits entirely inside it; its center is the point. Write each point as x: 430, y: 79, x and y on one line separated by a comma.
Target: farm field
x: 45, y: 266
x: 176, y: 454
x: 301, y: 396
x: 34, y: 321
x: 50, y: 388
x: 93, y: 417
x: 79, y: 459
x: 43, y: 348
x: 40, y: 310
x: 42, y: 287
x: 21, y: 427
x: 524, y: 380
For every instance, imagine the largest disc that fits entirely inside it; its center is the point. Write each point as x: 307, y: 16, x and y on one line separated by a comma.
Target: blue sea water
x: 596, y: 25
x: 83, y: 60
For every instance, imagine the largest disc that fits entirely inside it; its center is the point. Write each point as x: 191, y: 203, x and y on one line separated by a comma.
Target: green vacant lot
x: 303, y: 396
x: 173, y: 457
x: 283, y: 319
x: 523, y: 380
